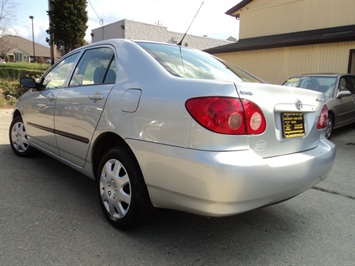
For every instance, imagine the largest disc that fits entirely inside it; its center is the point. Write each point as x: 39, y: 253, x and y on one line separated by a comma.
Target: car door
x: 345, y: 106
x: 79, y: 106
x: 352, y: 90
x: 39, y: 108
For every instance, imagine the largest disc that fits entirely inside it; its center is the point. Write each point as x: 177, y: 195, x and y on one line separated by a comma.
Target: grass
x: 10, y: 74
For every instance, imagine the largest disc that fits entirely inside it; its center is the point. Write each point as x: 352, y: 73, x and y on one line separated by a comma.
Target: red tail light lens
x: 227, y: 115
x: 323, y: 117
x: 255, y: 119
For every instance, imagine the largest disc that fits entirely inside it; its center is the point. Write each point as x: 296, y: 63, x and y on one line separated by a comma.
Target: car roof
x: 120, y: 40
x: 323, y: 75
x: 117, y: 41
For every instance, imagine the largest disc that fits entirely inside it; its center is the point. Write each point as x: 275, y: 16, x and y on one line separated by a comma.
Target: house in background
x: 19, y: 49
x: 282, y: 38
x: 128, y: 29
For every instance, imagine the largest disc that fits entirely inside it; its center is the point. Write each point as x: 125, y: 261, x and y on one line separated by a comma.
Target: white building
x: 128, y: 29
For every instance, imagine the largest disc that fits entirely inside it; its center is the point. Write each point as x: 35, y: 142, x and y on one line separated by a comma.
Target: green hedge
x: 14, y: 71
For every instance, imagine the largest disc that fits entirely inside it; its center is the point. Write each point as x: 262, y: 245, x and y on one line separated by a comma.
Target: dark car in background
x: 339, y: 90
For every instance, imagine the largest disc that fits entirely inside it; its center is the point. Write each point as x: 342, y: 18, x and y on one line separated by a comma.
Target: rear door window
x: 97, y: 66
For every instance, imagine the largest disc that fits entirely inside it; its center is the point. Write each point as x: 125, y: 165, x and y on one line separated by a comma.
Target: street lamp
x: 33, y: 41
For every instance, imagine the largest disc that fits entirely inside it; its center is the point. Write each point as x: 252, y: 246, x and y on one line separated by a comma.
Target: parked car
x: 172, y: 127
x: 339, y: 90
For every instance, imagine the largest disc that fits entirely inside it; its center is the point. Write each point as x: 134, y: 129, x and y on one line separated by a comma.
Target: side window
x: 344, y: 84
x: 95, y: 67
x: 57, y: 76
x: 111, y: 73
x: 352, y: 84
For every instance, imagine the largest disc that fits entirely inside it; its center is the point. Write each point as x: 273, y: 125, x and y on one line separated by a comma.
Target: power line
x: 101, y: 21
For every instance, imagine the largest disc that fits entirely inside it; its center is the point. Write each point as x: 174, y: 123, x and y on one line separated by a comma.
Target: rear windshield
x: 189, y: 63
x: 324, y: 84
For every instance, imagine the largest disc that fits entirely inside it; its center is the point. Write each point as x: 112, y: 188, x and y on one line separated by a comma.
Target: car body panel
x: 39, y: 109
x: 219, y: 183
x: 344, y: 110
x: 185, y: 166
x: 77, y: 115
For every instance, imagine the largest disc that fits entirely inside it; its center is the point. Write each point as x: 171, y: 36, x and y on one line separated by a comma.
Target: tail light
x: 227, y: 115
x: 323, y: 117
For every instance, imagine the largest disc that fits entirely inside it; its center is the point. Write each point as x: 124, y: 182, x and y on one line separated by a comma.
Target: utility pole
x: 33, y: 41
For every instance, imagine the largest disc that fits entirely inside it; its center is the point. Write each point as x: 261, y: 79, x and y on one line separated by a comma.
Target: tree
x: 7, y: 15
x: 68, y: 20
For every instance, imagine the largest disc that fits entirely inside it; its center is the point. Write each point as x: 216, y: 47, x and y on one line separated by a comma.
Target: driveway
x: 49, y: 215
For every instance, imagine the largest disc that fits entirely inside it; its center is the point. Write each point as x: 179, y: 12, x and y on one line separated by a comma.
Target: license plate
x: 293, y: 125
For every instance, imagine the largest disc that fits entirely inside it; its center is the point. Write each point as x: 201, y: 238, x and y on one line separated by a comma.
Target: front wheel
x: 18, y: 138
x: 329, y: 126
x: 122, y: 192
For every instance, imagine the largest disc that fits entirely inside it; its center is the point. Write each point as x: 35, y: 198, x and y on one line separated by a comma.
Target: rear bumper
x: 227, y: 183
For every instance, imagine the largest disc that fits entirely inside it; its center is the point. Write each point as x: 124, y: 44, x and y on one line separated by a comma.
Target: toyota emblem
x: 298, y: 104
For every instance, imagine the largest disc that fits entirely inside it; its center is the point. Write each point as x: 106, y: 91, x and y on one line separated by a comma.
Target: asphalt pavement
x: 49, y: 215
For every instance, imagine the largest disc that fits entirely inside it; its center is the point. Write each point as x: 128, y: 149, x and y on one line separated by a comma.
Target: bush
x: 10, y: 74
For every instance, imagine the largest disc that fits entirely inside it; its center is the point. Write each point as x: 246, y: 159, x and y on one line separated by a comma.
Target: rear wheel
x: 18, y: 138
x: 122, y: 192
x: 329, y: 126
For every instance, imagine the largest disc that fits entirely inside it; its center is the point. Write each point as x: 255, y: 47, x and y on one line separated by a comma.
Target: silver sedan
x: 339, y: 90
x: 172, y: 127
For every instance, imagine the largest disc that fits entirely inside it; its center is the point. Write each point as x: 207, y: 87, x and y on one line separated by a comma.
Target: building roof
x: 238, y: 6
x: 26, y: 46
x: 319, y: 36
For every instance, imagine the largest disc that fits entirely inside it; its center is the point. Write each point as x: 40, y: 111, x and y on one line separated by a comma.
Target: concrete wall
x: 134, y: 30
x: 109, y: 31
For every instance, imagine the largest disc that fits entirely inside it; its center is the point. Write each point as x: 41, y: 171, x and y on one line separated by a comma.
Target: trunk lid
x: 291, y: 118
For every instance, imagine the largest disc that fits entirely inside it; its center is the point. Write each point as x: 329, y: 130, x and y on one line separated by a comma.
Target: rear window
x: 324, y: 84
x: 190, y: 63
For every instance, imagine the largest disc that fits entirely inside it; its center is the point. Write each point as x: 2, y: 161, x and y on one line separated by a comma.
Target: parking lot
x: 49, y: 215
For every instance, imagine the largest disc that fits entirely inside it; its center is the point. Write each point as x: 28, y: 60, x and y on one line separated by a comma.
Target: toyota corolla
x: 160, y: 125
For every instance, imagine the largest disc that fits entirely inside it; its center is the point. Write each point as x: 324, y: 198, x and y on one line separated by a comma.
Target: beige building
x: 128, y: 29
x: 19, y: 49
x: 282, y: 38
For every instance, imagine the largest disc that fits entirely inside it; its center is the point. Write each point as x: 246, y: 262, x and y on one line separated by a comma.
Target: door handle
x: 51, y: 97
x: 96, y: 97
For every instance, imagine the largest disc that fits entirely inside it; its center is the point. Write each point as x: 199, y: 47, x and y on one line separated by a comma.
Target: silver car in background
x: 339, y: 90
x: 172, y: 127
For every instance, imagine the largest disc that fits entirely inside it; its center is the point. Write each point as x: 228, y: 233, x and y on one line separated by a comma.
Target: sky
x: 176, y: 15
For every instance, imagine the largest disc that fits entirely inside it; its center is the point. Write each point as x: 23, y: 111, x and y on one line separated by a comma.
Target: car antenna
x: 183, y: 37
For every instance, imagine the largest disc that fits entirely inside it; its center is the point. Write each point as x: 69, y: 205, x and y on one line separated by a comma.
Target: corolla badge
x: 246, y: 93
x: 298, y: 104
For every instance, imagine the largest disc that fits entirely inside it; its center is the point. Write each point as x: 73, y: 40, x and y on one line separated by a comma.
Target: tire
x: 329, y: 126
x: 123, y: 194
x: 18, y: 138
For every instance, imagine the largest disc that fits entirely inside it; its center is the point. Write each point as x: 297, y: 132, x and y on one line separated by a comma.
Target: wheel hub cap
x: 115, y: 189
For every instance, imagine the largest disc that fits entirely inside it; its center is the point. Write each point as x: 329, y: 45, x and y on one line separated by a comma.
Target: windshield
x: 189, y: 63
x: 324, y: 84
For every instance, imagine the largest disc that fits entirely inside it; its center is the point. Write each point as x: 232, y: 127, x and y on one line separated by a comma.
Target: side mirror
x: 343, y: 94
x: 28, y: 82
